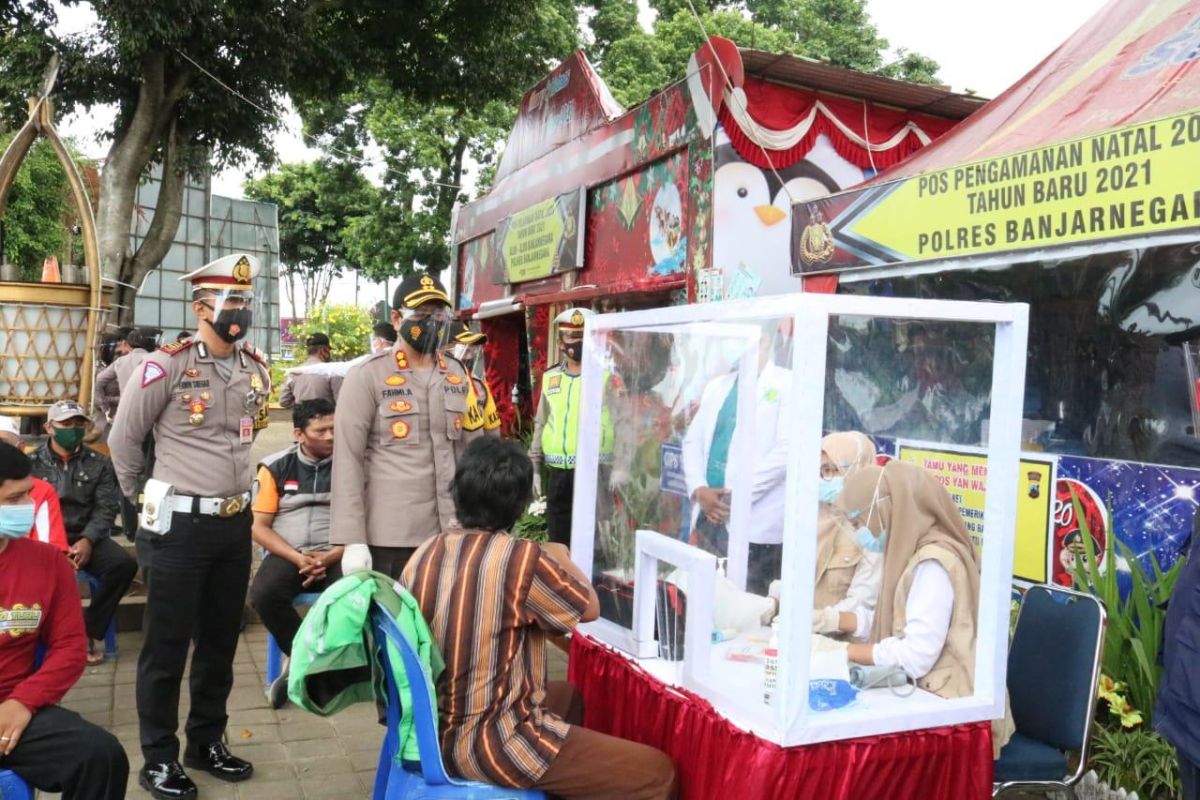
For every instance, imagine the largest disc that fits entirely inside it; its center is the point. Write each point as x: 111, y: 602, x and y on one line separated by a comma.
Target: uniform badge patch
x: 192, y: 372
x: 400, y: 406
x: 454, y: 379
x: 152, y: 372
x: 394, y: 380
x: 555, y: 382
x: 401, y: 360
x: 291, y: 486
x: 400, y: 429
x: 458, y: 423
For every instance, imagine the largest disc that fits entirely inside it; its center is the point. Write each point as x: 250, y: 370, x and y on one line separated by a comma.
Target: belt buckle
x: 230, y: 506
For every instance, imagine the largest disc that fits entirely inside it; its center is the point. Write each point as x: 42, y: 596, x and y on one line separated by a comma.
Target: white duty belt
x: 211, y: 506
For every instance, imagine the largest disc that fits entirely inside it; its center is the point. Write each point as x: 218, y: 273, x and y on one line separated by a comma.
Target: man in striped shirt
x: 490, y: 600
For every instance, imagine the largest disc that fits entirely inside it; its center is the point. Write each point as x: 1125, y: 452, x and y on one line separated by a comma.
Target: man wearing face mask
x: 401, y: 426
x: 50, y: 747
x: 466, y: 346
x: 204, y: 399
x: 301, y: 385
x: 556, y: 428
x: 90, y: 500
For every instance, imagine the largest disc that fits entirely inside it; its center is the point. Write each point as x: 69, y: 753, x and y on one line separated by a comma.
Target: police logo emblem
x: 577, y: 318
x: 400, y: 429
x: 192, y: 372
x: 241, y: 270
x: 426, y: 282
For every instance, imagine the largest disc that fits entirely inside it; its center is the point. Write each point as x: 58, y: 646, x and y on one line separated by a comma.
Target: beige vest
x: 953, y: 674
x: 836, y: 571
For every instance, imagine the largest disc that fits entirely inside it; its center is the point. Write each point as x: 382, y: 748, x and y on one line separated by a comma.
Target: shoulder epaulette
x: 256, y: 354
x: 174, y: 348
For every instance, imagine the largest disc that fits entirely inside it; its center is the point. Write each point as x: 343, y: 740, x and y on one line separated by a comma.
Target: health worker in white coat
x: 707, y: 446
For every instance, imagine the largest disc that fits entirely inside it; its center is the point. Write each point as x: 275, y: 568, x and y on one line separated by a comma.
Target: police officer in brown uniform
x: 203, y: 399
x: 402, y: 422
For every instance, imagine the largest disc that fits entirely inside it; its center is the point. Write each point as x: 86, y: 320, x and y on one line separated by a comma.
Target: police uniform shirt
x: 400, y: 432
x: 203, y: 424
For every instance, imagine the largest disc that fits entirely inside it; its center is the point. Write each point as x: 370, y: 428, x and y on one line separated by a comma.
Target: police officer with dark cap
x: 466, y: 345
x: 401, y: 426
x: 304, y: 385
x: 204, y: 399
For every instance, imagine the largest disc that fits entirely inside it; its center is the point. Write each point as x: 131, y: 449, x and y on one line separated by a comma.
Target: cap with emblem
x: 418, y: 288
x: 66, y: 409
x: 573, y: 319
x: 461, y: 333
x: 234, y: 273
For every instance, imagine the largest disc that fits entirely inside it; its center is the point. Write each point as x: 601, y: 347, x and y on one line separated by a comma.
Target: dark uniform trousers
x: 276, y: 585
x: 61, y: 752
x: 115, y: 570
x: 560, y: 494
x: 195, y: 591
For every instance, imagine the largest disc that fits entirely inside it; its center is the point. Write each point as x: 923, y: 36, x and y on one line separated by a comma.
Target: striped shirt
x: 490, y: 600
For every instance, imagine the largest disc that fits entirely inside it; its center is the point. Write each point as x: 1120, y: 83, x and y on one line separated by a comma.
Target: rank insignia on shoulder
x: 394, y: 380
x: 401, y: 360
x: 255, y: 353
x: 441, y: 364
x: 400, y: 429
x: 175, y: 348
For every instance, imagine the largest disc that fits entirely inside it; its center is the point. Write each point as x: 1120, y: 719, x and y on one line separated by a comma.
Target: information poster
x: 964, y: 474
x: 542, y: 240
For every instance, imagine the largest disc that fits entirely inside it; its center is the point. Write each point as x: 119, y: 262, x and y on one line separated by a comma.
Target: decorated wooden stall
x: 685, y: 198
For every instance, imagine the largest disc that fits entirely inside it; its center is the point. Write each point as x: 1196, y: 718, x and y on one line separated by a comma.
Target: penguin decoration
x: 752, y: 206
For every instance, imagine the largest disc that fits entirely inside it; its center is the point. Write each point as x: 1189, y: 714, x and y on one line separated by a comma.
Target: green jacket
x: 330, y: 668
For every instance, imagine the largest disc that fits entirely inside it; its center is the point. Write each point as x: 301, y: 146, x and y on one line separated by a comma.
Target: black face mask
x: 233, y: 323
x: 573, y: 350
x: 424, y: 336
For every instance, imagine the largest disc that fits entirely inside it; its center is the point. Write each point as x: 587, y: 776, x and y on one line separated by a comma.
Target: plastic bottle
x: 771, y: 665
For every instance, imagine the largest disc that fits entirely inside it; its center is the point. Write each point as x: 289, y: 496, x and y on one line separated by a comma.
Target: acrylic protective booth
x: 698, y: 508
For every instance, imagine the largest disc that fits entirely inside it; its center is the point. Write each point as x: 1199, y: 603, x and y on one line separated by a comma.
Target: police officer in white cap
x: 556, y: 427
x: 204, y: 399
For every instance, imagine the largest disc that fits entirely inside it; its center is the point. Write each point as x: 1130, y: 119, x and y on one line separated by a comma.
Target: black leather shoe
x: 166, y: 780
x: 216, y: 760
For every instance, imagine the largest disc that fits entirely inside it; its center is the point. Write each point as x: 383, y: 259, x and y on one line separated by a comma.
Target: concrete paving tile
x: 251, y: 716
x: 262, y: 753
x: 82, y: 691
x: 300, y: 731
x: 365, y: 759
x: 324, y: 765
x: 274, y: 771
x: 262, y: 732
x: 313, y: 748
x: 330, y: 786
x: 255, y: 789
x: 362, y: 742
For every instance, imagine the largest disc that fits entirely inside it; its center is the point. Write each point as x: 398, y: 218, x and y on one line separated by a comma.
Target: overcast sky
x: 980, y: 46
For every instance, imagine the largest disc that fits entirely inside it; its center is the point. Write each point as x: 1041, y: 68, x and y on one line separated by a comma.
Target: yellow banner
x: 1130, y: 181
x: 965, y: 477
x: 543, y: 239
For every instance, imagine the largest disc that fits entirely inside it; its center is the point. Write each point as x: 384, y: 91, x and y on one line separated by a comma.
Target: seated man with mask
x: 87, y: 491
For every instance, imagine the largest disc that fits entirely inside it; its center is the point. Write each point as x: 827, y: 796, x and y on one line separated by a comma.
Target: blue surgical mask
x: 869, y: 541
x: 830, y: 694
x: 829, y: 489
x: 16, y: 521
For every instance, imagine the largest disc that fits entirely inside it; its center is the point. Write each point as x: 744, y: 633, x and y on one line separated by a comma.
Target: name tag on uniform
x: 246, y: 430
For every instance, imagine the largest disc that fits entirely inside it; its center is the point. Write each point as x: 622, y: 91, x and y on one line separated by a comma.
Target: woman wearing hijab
x: 926, y: 618
x: 848, y: 574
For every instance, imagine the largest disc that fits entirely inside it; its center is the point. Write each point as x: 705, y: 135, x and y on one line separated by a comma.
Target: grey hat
x: 66, y: 409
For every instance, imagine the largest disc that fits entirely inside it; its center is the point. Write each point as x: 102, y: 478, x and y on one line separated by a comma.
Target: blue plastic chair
x: 12, y: 787
x: 1053, y: 672
x: 274, y: 654
x: 393, y: 780
x: 110, y: 633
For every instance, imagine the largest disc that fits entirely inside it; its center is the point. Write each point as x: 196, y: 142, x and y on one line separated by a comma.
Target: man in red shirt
x: 52, y: 748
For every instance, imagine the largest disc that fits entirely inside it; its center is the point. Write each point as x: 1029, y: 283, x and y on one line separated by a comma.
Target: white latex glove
x: 825, y: 620
x: 356, y: 558
x: 537, y: 482
x: 823, y: 644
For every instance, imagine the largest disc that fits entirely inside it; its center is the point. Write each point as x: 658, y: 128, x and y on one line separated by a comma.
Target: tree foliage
x: 318, y: 202
x: 638, y: 64
x: 150, y: 59
x: 39, y: 211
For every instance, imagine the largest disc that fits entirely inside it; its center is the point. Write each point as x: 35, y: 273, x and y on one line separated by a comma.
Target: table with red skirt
x: 716, y: 759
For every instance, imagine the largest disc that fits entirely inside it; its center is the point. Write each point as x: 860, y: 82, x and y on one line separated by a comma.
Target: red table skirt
x: 717, y: 760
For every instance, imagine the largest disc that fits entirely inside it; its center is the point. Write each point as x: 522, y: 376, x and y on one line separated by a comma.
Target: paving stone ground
x: 295, y: 754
